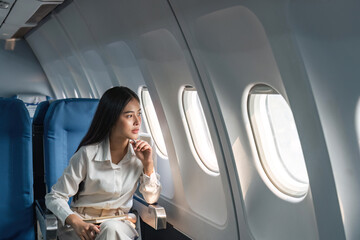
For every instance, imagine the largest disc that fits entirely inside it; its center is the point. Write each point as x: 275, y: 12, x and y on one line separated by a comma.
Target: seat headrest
x: 13, y: 112
x: 66, y: 123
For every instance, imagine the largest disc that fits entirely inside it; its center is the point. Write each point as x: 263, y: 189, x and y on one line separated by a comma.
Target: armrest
x: 152, y: 214
x: 46, y: 221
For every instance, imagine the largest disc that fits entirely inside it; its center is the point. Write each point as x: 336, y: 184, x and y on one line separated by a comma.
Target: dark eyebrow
x: 131, y: 111
x: 128, y: 112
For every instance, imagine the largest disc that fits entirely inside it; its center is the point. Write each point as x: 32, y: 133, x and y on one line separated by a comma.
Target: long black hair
x: 111, y: 105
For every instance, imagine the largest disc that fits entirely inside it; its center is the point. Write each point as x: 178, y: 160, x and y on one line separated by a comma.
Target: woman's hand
x: 86, y: 231
x: 143, y: 151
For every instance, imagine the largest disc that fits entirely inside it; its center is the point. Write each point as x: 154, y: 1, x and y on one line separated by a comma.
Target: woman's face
x: 129, y: 121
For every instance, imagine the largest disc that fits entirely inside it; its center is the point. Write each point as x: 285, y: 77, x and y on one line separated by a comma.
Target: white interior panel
x: 236, y: 46
x: 60, y: 75
x: 328, y: 39
x: 170, y: 66
x: 81, y: 40
x: 45, y: 54
x: 54, y: 33
x: 237, y: 56
x: 16, y: 55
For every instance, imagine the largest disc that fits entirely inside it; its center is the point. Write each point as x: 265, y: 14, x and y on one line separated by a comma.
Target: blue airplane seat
x: 38, y: 149
x: 60, y: 126
x: 66, y: 123
x: 31, y: 101
x: 16, y: 172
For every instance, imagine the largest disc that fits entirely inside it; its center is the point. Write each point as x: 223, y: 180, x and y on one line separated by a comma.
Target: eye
x: 128, y: 116
x: 139, y: 114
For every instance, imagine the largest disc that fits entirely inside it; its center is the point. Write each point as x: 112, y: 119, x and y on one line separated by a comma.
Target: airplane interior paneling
x: 253, y: 107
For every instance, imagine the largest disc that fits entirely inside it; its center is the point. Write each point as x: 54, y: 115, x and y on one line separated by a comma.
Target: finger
x: 138, y: 144
x: 89, y: 235
x: 85, y: 236
x: 95, y: 228
x: 141, y: 145
x: 147, y: 147
x: 91, y: 232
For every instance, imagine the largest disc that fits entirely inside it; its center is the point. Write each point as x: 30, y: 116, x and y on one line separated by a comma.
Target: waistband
x: 95, y: 212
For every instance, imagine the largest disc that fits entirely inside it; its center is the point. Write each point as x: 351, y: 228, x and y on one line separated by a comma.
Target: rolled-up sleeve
x: 67, y: 186
x: 150, y: 187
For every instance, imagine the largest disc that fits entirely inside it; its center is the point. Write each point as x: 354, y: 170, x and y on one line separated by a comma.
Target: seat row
x: 34, y: 155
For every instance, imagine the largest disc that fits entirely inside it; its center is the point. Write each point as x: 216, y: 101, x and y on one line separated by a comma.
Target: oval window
x: 152, y: 122
x: 198, y: 130
x: 277, y: 141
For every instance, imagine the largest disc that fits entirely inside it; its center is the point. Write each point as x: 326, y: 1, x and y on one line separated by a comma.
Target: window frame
x: 148, y: 125
x: 258, y: 140
x: 191, y: 139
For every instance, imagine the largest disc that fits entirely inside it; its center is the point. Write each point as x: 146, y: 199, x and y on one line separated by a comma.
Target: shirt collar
x: 103, y: 153
x: 131, y: 150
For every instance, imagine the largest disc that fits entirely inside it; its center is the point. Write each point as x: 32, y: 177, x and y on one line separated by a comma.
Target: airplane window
x: 152, y: 122
x: 277, y: 141
x: 198, y: 130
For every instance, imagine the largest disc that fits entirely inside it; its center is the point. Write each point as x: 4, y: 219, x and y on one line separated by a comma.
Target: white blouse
x: 105, y: 185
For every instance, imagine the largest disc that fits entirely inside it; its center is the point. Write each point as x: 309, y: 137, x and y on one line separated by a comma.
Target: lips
x: 135, y: 131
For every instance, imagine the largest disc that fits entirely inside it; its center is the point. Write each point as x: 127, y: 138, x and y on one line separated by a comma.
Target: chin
x: 134, y: 135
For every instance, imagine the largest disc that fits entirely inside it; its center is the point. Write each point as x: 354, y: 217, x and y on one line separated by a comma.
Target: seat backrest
x: 38, y: 150
x: 16, y: 171
x: 31, y: 101
x: 66, y: 123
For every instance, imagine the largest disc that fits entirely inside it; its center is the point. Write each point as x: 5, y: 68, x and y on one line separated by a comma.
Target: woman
x: 103, y: 173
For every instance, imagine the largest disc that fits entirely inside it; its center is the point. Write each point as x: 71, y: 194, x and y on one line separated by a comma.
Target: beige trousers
x: 110, y: 229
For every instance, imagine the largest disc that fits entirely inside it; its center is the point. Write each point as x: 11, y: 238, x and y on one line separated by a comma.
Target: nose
x: 137, y: 120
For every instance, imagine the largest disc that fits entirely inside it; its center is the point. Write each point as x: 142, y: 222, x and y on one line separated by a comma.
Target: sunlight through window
x: 152, y: 122
x: 278, y: 142
x: 198, y: 130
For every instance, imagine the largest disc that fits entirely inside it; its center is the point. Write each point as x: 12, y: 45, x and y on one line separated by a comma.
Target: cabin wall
x: 21, y: 72
x: 141, y: 45
x: 306, y: 51
x: 328, y: 39
x: 233, y: 50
